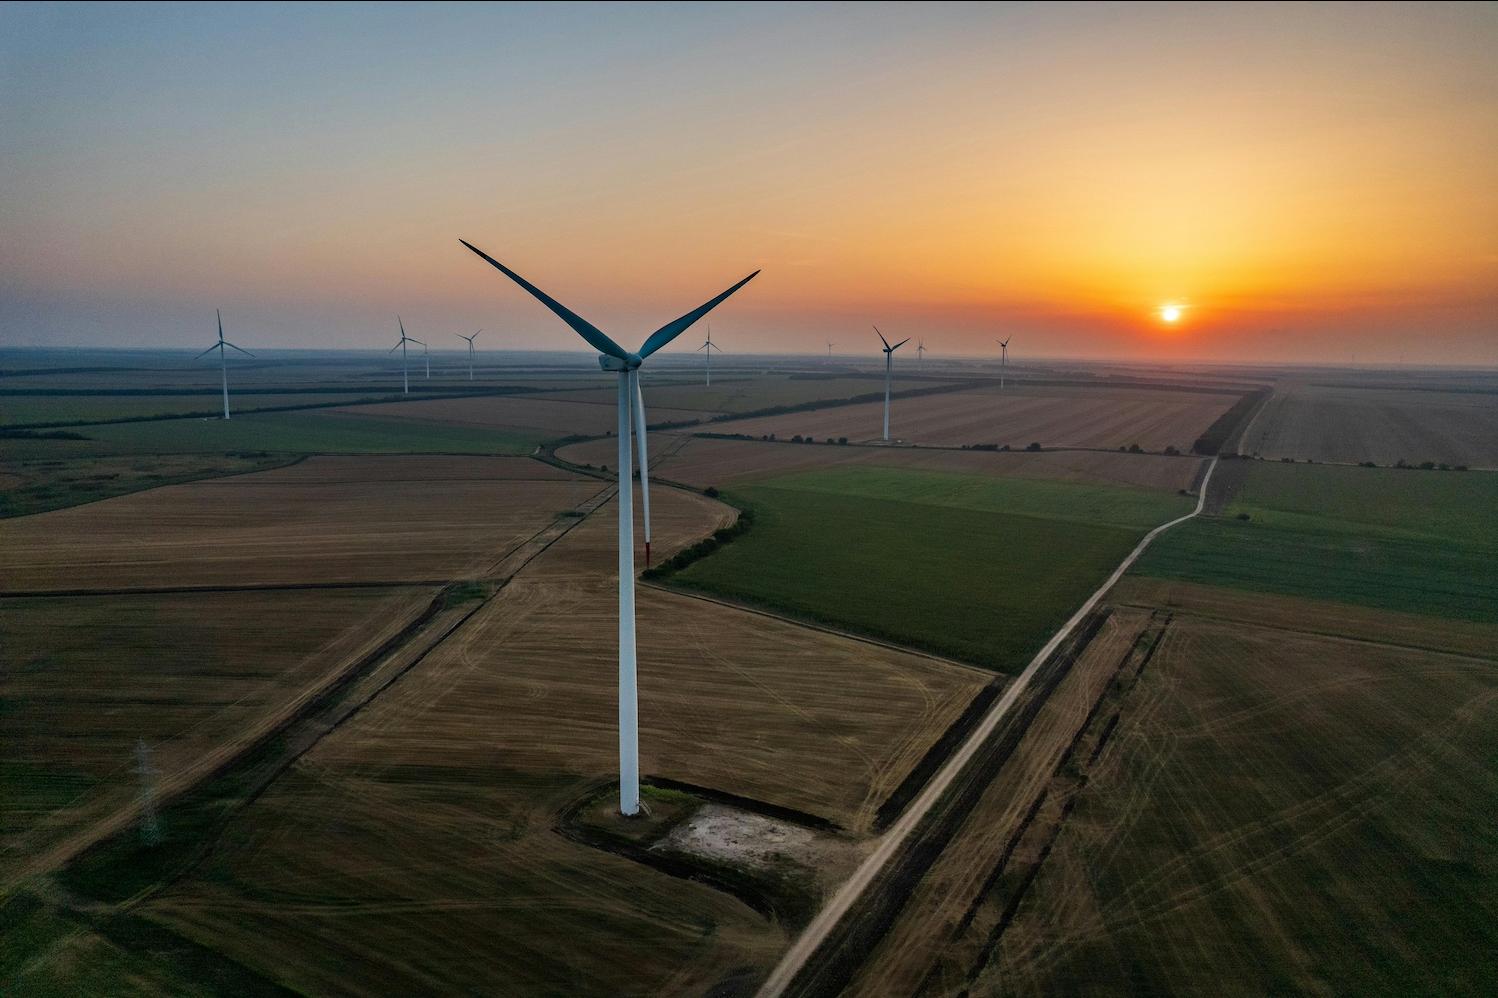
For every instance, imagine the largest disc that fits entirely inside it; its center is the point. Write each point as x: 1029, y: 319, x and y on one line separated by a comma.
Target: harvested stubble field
x: 737, y: 393
x: 941, y: 920
x: 852, y: 547
x: 1276, y: 812
x: 414, y: 848
x: 1052, y: 416
x: 85, y: 408
x: 359, y: 523
x: 547, y: 417
x: 705, y: 461
x: 39, y: 485
x: 192, y: 674
x: 1382, y: 425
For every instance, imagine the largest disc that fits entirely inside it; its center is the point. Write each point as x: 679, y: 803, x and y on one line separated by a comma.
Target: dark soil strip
x: 838, y: 960
x: 955, y: 735
x: 248, y: 588
x: 776, y: 811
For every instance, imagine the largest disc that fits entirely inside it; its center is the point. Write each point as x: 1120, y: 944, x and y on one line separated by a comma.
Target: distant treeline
x: 1223, y: 427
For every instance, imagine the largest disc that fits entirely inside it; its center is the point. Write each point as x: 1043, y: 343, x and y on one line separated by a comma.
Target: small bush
x: 843, y: 441
x: 1243, y: 516
x: 1172, y: 451
x: 1135, y: 449
x: 711, y: 492
x: 1033, y: 446
x: 1366, y: 464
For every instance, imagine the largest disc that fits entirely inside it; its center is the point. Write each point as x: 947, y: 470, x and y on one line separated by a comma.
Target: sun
x: 1171, y: 313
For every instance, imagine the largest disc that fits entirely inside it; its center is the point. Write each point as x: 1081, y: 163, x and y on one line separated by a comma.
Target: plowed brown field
x: 519, y: 412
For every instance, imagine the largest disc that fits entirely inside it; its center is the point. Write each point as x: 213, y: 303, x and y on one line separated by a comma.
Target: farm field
x: 519, y: 415
x: 461, y: 768
x: 38, y: 485
x: 357, y: 523
x: 1248, y: 765
x: 704, y: 461
x: 1383, y: 425
x: 1412, y: 541
x: 65, y: 409
x: 190, y: 674
x: 862, y: 559
x: 1018, y: 415
x: 740, y: 393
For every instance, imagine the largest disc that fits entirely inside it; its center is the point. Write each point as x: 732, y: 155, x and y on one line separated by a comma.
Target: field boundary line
x: 817, y: 931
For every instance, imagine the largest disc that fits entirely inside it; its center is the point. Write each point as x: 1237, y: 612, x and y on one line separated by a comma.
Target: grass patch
x: 1376, y: 537
x: 40, y: 485
x: 983, y: 586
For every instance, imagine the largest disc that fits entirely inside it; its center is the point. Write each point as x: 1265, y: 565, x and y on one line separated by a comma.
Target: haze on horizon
x: 1311, y: 183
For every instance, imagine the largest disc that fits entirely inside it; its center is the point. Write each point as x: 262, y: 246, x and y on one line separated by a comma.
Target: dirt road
x: 838, y: 906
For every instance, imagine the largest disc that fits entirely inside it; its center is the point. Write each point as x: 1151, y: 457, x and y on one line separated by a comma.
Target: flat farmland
x: 357, y: 523
x: 736, y: 393
x: 521, y: 413
x: 1407, y: 541
x: 1052, y: 416
x: 193, y: 675
x: 415, y: 848
x: 1382, y: 425
x: 852, y: 547
x: 65, y: 409
x: 1276, y: 812
x: 704, y: 461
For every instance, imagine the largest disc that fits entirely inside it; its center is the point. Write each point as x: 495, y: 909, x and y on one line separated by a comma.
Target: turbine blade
x: 639, y: 407
x: 416, y: 341
x: 231, y: 346
x: 881, y: 338
x: 899, y: 345
x: 220, y: 323
x: 208, y: 351
x: 595, y: 336
x: 675, y: 328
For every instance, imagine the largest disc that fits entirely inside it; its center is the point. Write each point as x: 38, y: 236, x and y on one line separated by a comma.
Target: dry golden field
x: 414, y: 848
x: 194, y: 675
x: 1052, y: 416
x: 326, y: 520
x: 1348, y: 425
x: 702, y: 461
x: 521, y: 412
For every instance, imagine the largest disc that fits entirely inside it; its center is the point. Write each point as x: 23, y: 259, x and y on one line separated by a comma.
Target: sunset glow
x: 1170, y: 313
x: 1325, y: 180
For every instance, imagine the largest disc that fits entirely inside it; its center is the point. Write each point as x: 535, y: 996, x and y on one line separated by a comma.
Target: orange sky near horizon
x: 1308, y: 182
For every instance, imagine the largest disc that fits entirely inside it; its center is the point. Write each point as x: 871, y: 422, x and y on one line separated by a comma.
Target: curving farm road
x: 838, y: 906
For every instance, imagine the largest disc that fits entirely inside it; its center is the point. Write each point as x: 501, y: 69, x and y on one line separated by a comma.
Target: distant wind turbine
x: 889, y: 362
x: 223, y: 362
x: 920, y: 351
x: 829, y: 349
x: 613, y: 357
x: 401, y: 344
x: 710, y: 346
x: 1003, y: 364
x: 470, y: 350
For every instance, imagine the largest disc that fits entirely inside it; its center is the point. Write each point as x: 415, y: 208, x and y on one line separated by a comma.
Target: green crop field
x: 929, y: 560
x: 63, y: 409
x: 306, y: 432
x: 1417, y: 541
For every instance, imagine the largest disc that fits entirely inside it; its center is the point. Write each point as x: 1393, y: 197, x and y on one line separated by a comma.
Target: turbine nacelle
x: 629, y: 362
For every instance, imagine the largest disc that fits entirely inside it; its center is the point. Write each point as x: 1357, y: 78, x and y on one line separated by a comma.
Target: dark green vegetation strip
x: 1224, y: 428
x: 1414, y: 541
x: 921, y: 570
x: 45, y: 485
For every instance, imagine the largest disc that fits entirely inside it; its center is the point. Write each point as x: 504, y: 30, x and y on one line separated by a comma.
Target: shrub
x: 1366, y: 464
x: 1243, y: 516
x: 843, y: 441
x: 1135, y: 449
x: 1427, y: 466
x: 1172, y: 451
x: 711, y: 492
x: 1033, y: 447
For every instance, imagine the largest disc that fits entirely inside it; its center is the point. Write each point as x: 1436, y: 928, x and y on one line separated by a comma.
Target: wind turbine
x: 829, y: 349
x: 223, y: 362
x: 613, y: 357
x: 889, y: 361
x: 470, y: 350
x: 710, y: 346
x: 1003, y: 364
x: 401, y: 343
x: 428, y: 355
x: 920, y: 351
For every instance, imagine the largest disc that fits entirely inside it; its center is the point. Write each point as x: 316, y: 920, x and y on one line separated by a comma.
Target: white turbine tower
x: 1004, y: 363
x: 401, y: 345
x: 889, y: 362
x: 829, y: 349
x: 613, y: 357
x: 470, y: 350
x: 710, y: 346
x: 223, y: 361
